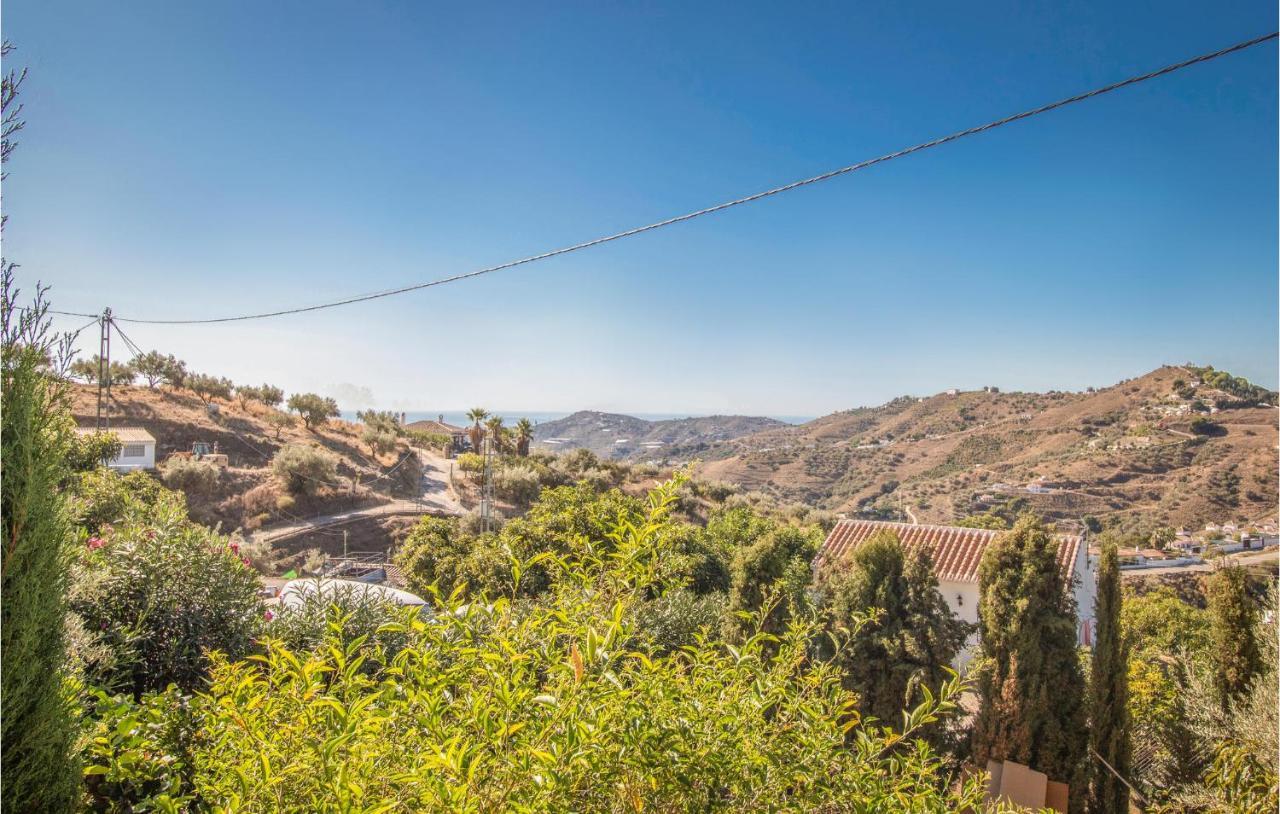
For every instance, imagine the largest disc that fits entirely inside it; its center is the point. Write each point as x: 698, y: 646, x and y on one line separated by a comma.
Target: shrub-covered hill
x: 1181, y: 446
x: 248, y: 495
x: 612, y: 435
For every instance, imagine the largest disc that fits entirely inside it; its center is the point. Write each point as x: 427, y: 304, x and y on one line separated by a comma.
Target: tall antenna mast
x: 104, y: 370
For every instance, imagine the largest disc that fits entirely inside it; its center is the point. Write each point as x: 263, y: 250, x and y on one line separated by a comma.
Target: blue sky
x: 201, y: 159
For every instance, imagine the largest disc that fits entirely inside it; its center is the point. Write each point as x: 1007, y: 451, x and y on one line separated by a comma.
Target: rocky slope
x: 1137, y: 452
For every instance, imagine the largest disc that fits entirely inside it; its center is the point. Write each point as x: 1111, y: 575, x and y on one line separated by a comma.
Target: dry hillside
x: 247, y: 496
x: 1125, y: 454
x: 612, y: 435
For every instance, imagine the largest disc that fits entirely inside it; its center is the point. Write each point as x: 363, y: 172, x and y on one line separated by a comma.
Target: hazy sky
x: 203, y: 159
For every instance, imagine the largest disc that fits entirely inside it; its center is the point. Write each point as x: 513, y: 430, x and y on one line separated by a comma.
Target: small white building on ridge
x: 137, y: 448
x: 957, y: 553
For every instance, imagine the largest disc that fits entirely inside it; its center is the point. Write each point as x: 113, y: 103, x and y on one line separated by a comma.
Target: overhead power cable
x: 937, y: 142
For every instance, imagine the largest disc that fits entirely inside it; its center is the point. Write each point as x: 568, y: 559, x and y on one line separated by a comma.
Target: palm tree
x: 524, y: 434
x: 476, y: 415
x: 496, y: 432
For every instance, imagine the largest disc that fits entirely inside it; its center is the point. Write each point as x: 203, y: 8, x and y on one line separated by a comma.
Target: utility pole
x: 486, y: 489
x: 104, y: 370
x: 344, y: 544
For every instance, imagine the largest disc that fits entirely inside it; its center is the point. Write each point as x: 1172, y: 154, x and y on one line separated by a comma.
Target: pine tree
x: 911, y: 643
x: 1109, y: 692
x: 1030, y: 685
x: 1233, y: 643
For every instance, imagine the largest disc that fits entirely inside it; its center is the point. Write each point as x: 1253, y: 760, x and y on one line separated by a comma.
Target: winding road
x: 434, y: 498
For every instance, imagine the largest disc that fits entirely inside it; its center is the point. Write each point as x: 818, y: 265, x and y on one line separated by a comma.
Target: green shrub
x: 160, y: 592
x: 315, y: 410
x: 497, y: 706
x: 517, y: 483
x: 190, y: 476
x: 674, y: 619
x: 102, y: 496
x: 39, y: 773
x: 304, y: 469
x: 91, y: 451
x: 136, y: 753
x: 345, y: 613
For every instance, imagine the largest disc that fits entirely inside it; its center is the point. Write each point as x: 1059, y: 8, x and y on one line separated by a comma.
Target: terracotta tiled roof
x: 127, y: 435
x: 441, y: 427
x: 956, y: 551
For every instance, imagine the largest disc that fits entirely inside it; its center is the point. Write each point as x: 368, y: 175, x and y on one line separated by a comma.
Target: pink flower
x: 245, y: 560
x: 235, y: 547
x: 95, y: 543
x: 268, y: 615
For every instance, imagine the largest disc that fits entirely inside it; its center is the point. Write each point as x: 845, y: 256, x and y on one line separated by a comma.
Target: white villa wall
x: 128, y: 463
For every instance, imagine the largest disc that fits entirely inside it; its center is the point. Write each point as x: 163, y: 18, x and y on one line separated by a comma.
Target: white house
x: 137, y: 448
x: 957, y: 553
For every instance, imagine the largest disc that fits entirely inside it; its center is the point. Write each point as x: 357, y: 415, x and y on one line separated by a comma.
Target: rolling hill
x: 1171, y: 447
x: 612, y: 435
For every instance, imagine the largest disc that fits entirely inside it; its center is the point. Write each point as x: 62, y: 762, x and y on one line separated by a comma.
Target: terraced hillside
x: 1178, y: 446
x: 612, y: 435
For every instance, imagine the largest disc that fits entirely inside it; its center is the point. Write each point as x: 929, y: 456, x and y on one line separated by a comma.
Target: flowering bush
x: 159, y: 592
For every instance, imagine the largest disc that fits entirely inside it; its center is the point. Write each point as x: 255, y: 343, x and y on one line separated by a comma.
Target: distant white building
x: 957, y: 553
x: 137, y: 448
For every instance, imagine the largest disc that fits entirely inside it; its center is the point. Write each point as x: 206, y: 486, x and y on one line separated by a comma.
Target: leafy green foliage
x: 266, y: 394
x: 497, y: 706
x: 279, y: 422
x: 157, y: 367
x: 901, y: 634
x: 773, y: 566
x: 160, y: 592
x: 101, y: 497
x: 207, y: 387
x: 1233, y: 646
x: 36, y: 435
x: 136, y: 753
x: 304, y: 469
x: 1109, y: 692
x: 1030, y: 686
x: 315, y: 410
x: 90, y: 451
x: 89, y: 370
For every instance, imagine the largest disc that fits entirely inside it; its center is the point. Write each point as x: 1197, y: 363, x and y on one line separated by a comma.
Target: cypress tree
x: 1030, y: 685
x: 36, y: 726
x: 1109, y: 692
x: 35, y: 436
x: 1233, y: 643
x: 915, y: 637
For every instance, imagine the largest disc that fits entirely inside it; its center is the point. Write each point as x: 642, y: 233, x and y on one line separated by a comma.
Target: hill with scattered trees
x: 612, y: 435
x: 1180, y: 446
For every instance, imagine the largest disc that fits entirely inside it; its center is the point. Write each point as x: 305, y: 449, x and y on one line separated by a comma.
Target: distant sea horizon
x: 459, y: 417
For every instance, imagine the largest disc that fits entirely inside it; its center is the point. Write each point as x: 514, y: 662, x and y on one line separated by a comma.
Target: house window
x: 133, y: 451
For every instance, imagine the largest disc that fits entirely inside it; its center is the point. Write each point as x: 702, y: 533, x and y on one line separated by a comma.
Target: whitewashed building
x: 137, y: 448
x: 957, y: 553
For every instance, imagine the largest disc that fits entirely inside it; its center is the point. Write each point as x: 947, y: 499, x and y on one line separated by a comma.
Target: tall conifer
x: 1030, y: 685
x: 1109, y: 692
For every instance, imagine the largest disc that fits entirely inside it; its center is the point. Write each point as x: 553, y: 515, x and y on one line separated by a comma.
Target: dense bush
x: 136, y: 753
x: 36, y: 436
x: 343, y: 612
x: 517, y: 483
x: 190, y: 476
x: 101, y: 496
x: 498, y: 706
x: 88, y: 452
x: 159, y: 592
x: 304, y: 469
